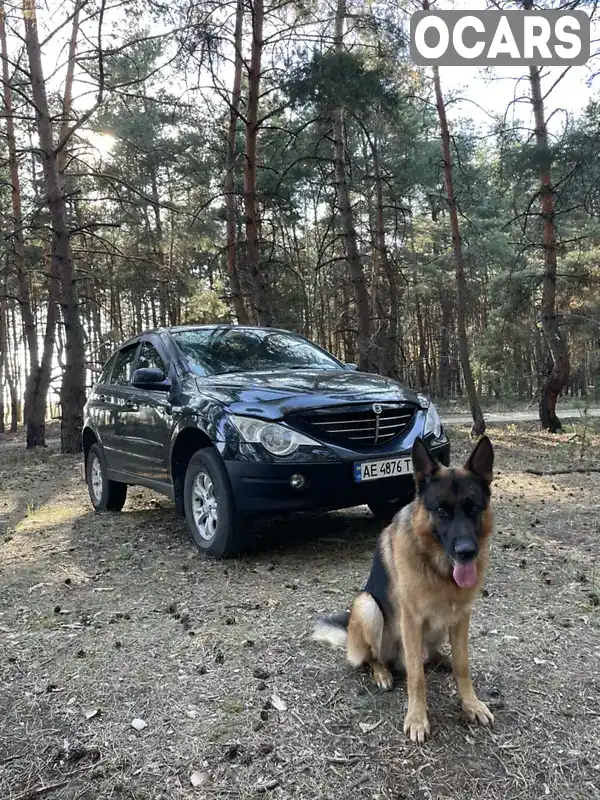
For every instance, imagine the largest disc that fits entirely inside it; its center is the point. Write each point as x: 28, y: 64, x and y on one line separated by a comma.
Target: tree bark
x: 42, y: 376
x: 390, y: 345
x: 478, y: 428
x: 260, y: 289
x: 422, y: 361
x: 3, y: 358
x: 67, y: 104
x: 345, y: 322
x: 39, y: 378
x: 72, y: 393
x: 557, y: 343
x: 445, y: 375
x: 230, y: 196
x: 357, y: 275
x: 163, y: 278
x: 14, y: 401
x: 34, y: 423
x: 12, y: 368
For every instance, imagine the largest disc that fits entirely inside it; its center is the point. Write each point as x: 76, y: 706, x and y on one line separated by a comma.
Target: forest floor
x: 456, y: 410
x: 109, y: 619
x: 577, y: 414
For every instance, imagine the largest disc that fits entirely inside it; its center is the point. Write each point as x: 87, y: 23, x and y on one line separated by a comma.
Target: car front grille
x: 360, y: 424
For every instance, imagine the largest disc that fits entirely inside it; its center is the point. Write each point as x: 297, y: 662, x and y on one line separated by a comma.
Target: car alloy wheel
x: 96, y: 478
x: 205, y: 506
x: 210, y: 508
x: 105, y: 494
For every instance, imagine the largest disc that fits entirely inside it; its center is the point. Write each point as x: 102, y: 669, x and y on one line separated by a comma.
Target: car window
x: 123, y: 368
x: 150, y: 359
x: 221, y: 350
x: 103, y: 377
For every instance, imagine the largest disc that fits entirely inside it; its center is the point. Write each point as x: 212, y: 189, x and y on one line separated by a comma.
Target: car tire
x: 386, y: 510
x: 106, y: 495
x: 214, y: 522
x: 178, y: 487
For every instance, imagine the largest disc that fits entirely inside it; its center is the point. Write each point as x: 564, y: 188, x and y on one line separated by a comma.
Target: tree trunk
x: 2, y: 406
x: 357, y: 275
x: 12, y: 367
x: 137, y: 310
x: 39, y: 378
x: 260, y: 290
x: 345, y: 322
x: 72, y: 393
x: 422, y: 361
x: 3, y: 358
x: 163, y: 277
x: 557, y: 343
x: 14, y: 402
x: 478, y: 428
x: 230, y: 196
x: 35, y: 425
x: 444, y: 376
x: 36, y: 421
x: 390, y: 344
x: 62, y: 157
x: 378, y: 298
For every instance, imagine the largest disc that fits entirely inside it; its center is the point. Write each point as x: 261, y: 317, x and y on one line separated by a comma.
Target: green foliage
x: 333, y: 79
x: 150, y: 216
x: 206, y: 306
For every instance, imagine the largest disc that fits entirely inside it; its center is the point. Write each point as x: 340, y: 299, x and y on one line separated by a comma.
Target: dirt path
x: 500, y: 417
x: 105, y: 619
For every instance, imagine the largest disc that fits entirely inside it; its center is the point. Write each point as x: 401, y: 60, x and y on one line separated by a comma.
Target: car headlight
x: 279, y: 440
x: 433, y: 423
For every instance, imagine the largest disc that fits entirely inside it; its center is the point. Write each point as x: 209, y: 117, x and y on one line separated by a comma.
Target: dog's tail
x: 333, y: 629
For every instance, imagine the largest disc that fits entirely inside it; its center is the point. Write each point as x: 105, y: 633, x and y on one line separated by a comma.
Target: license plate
x: 390, y: 468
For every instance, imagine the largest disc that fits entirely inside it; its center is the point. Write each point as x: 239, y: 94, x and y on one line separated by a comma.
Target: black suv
x: 236, y: 422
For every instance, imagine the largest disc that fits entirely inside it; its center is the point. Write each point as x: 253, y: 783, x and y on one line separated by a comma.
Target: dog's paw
x: 477, y: 711
x: 416, y: 726
x: 383, y: 677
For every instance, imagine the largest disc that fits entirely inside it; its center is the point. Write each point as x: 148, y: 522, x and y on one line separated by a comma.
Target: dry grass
x: 119, y: 615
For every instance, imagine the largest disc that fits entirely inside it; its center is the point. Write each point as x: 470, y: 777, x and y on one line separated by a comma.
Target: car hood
x: 273, y: 394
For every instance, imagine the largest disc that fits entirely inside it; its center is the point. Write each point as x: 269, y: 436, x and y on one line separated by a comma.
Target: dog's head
x: 457, y: 503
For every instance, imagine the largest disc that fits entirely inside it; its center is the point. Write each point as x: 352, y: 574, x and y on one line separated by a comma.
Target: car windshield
x: 215, y: 351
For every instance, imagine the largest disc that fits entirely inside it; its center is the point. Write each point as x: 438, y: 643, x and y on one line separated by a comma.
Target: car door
x: 147, y: 429
x: 98, y: 407
x: 119, y: 402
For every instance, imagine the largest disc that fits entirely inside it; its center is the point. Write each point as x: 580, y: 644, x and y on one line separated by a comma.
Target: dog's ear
x: 424, y: 464
x: 481, y: 460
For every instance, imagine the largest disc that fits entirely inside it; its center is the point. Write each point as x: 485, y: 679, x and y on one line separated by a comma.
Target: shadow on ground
x: 109, y: 618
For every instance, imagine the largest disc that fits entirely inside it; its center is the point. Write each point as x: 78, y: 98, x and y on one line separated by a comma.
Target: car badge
x: 377, y: 408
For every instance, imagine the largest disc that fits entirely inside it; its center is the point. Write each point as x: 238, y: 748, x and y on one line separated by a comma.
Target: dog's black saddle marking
x: 378, y: 584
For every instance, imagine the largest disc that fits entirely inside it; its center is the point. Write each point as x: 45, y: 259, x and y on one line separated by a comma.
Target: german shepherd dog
x: 428, y: 567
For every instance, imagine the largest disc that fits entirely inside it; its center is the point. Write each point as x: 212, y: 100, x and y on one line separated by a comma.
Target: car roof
x: 224, y: 326
x: 215, y: 327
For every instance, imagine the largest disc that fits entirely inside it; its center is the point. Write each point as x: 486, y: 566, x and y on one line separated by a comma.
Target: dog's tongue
x: 465, y: 575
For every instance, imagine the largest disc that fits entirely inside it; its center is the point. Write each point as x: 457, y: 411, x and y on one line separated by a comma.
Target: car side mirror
x: 151, y: 378
x: 351, y: 366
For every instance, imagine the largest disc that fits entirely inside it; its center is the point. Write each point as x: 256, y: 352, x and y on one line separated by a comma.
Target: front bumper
x: 263, y: 488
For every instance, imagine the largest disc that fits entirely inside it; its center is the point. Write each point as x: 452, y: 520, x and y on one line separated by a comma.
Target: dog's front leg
x: 416, y: 723
x: 474, y: 708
